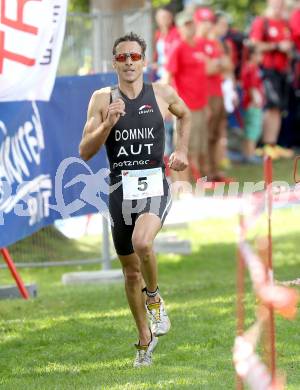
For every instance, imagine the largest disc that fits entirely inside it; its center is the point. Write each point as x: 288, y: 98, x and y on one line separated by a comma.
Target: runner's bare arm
x: 97, y: 129
x: 178, y: 160
x: 183, y: 118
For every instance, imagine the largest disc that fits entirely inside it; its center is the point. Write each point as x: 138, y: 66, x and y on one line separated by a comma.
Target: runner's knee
x: 132, y: 274
x: 142, y: 246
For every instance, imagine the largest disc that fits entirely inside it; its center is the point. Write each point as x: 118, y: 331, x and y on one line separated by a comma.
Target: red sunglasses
x: 122, y: 57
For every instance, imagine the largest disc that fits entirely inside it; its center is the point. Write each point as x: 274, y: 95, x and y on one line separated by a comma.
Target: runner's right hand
x: 114, y: 111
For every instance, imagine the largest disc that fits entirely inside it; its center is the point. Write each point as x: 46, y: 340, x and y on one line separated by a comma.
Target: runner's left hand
x: 178, y: 161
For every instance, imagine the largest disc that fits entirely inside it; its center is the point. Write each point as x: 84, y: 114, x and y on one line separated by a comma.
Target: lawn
x: 283, y: 170
x: 48, y: 239
x: 82, y: 337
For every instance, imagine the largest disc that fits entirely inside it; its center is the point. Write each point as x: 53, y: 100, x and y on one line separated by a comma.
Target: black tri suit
x: 135, y: 151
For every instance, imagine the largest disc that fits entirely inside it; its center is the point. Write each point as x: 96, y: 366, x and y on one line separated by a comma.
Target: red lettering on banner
x: 18, y: 24
x: 12, y: 56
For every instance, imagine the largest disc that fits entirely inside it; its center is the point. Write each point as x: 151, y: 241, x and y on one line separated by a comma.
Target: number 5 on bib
x: 142, y: 183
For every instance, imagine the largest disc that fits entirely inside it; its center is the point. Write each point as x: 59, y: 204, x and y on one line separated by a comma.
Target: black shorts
x: 276, y: 89
x: 124, y: 213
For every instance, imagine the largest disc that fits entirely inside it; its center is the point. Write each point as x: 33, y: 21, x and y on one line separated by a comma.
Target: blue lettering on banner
x: 42, y: 177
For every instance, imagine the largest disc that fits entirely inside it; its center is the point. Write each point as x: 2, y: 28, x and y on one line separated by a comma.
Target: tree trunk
x: 116, y: 5
x: 114, y: 19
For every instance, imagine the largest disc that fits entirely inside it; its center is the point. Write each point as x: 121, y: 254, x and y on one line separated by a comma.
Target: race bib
x: 142, y: 183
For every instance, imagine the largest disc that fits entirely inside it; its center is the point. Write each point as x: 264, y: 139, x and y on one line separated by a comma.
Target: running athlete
x: 129, y: 120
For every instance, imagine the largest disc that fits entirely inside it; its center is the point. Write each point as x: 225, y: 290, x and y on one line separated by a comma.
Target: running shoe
x: 284, y: 152
x: 271, y: 151
x: 144, y: 353
x: 225, y: 163
x: 159, y: 320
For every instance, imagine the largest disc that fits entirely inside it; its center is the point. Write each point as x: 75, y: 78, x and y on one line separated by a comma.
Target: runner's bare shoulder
x: 100, y: 99
x: 164, y: 91
x: 102, y: 95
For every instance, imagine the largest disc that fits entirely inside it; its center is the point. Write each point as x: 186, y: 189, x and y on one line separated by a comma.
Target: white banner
x: 31, y: 37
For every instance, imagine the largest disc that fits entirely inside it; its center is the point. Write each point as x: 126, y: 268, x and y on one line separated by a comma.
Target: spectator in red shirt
x: 295, y: 25
x: 271, y: 34
x: 217, y: 63
x: 204, y: 18
x: 220, y: 31
x: 295, y: 31
x: 186, y: 67
x: 291, y: 134
x: 253, y: 101
x: 165, y: 37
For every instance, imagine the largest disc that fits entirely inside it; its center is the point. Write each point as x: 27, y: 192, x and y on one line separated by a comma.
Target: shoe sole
x: 163, y: 334
x: 154, y: 344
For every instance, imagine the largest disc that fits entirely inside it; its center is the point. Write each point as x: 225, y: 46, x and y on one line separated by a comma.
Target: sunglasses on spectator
x: 122, y: 57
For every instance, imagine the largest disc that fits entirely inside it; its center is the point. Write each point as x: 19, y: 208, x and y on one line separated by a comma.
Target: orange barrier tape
x: 250, y: 369
x: 282, y: 299
x: 249, y: 366
x: 295, y: 282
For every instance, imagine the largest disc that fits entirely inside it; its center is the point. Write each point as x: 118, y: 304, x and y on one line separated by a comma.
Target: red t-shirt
x: 169, y: 40
x: 251, y: 78
x: 187, y: 66
x: 295, y: 27
x: 212, y: 49
x: 272, y: 30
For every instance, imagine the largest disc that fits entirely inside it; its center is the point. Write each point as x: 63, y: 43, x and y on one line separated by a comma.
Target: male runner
x: 129, y: 120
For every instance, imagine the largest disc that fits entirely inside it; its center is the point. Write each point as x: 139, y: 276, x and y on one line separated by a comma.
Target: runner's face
x: 130, y: 70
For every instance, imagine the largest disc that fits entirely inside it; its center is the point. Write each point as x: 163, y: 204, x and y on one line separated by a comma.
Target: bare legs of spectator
x: 215, y: 130
x: 249, y: 148
x: 198, y: 145
x: 272, y: 124
x: 223, y: 161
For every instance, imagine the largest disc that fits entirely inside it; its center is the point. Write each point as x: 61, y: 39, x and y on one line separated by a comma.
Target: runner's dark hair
x: 131, y: 37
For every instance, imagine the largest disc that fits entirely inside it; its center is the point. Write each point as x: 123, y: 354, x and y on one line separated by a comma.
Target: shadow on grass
x: 83, y: 336
x: 98, y: 351
x: 48, y: 244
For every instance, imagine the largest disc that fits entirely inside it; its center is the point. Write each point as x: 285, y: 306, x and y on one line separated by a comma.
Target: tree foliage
x: 83, y: 5
x: 78, y: 5
x: 241, y: 11
x: 160, y: 3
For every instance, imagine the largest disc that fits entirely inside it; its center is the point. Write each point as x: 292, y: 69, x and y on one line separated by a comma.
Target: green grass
x: 81, y: 337
x: 47, y: 240
x: 283, y: 170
